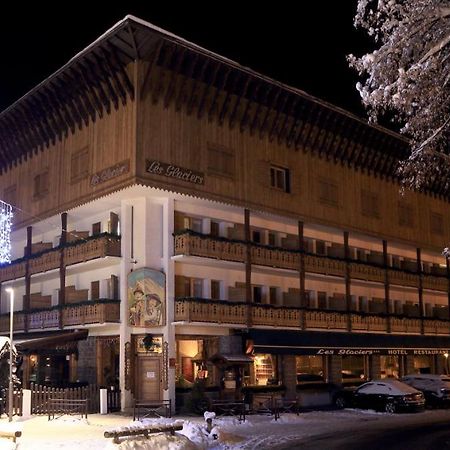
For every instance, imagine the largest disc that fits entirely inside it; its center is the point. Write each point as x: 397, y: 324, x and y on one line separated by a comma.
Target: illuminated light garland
x: 6, y: 215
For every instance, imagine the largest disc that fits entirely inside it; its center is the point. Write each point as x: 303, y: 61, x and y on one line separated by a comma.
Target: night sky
x: 304, y: 46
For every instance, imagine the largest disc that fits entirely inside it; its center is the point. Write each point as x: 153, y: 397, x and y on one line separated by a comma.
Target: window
x: 95, y: 290
x: 215, y: 289
x: 221, y: 161
x: 328, y: 192
x: 40, y: 185
x: 322, y: 300
x: 405, y: 215
x: 256, y: 237
x: 273, y: 295
x: 193, y: 224
x: 214, y: 231
x: 436, y: 223
x: 79, y: 165
x: 96, y: 228
x: 257, y: 294
x: 370, y: 204
x: 272, y: 239
x: 279, y: 178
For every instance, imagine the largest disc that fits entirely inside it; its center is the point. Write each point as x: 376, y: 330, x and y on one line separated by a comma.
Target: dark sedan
x: 387, y: 395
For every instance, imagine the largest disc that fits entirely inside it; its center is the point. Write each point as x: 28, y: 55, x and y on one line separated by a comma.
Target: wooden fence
x: 40, y: 396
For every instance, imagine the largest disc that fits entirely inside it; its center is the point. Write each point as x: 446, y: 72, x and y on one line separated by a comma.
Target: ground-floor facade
x: 155, y: 292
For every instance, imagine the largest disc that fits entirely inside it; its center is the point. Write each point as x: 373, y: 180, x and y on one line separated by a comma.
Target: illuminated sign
x: 172, y: 171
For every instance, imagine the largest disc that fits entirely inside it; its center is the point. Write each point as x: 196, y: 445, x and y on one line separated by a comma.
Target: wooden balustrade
x: 221, y: 311
x: 365, y: 272
x: 208, y: 247
x: 368, y: 323
x: 403, y: 278
x: 92, y: 249
x: 435, y: 283
x: 74, y: 314
x: 405, y: 325
x: 91, y: 312
x: 79, y: 252
x: 39, y: 320
x: 46, y: 261
x: 12, y: 271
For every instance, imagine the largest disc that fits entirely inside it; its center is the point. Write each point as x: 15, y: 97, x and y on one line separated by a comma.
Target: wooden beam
x: 187, y: 76
x: 229, y: 92
x: 96, y: 81
x: 49, y: 112
x: 198, y: 79
x: 152, y: 61
x: 243, y: 93
x: 270, y: 108
x: 119, y: 89
x: 174, y: 76
x: 219, y: 89
x: 289, y: 116
x: 91, y: 90
x: 79, y: 97
x: 121, y: 68
x: 39, y: 117
x: 260, y: 103
x: 104, y: 76
x: 252, y: 98
x: 167, y: 57
x: 83, y: 92
x: 280, y: 108
x: 202, y: 102
x: 133, y: 42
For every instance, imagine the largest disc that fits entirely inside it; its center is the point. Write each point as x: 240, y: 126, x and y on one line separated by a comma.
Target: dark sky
x: 303, y: 46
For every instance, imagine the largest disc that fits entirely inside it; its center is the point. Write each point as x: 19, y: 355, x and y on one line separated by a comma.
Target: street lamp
x: 10, y: 291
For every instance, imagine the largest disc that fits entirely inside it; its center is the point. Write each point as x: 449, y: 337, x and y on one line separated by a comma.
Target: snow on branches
x: 407, y: 79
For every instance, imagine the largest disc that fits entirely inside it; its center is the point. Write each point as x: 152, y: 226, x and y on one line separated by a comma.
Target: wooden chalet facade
x: 179, y: 206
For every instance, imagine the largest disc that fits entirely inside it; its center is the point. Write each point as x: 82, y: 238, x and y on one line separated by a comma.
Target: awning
x: 331, y: 343
x: 232, y: 360
x: 38, y: 343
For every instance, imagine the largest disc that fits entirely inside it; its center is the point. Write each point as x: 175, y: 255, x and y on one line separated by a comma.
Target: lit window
x: 279, y: 178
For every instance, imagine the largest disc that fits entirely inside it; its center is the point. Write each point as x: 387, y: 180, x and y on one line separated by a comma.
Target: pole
x: 11, y: 317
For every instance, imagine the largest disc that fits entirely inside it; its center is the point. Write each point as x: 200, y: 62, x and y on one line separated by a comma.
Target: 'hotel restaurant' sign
x: 384, y: 351
x: 172, y: 171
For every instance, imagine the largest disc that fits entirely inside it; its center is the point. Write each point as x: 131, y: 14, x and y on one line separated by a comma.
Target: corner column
x: 62, y: 268
x: 420, y: 290
x: 248, y: 266
x: 386, y: 287
x: 348, y: 296
x: 301, y: 273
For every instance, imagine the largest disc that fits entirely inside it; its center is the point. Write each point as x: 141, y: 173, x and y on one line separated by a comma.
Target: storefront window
x: 354, y: 369
x: 389, y: 366
x: 311, y: 365
x: 189, y: 360
x: 265, y: 370
x: 422, y: 364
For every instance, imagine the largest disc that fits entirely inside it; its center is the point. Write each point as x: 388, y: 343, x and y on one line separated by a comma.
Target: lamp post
x: 10, y: 291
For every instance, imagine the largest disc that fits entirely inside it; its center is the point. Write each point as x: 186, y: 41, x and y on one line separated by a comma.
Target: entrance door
x: 149, y: 379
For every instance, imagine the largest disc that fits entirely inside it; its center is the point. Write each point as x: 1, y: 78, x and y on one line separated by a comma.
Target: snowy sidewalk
x: 258, y: 432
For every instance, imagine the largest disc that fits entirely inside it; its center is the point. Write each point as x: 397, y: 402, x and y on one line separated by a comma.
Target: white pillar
x: 26, y: 403
x: 103, y: 401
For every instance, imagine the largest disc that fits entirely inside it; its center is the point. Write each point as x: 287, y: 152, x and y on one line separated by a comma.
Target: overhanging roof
x: 309, y: 342
x: 39, y: 343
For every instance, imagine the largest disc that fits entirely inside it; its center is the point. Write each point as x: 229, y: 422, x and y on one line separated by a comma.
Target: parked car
x: 387, y: 395
x: 435, y: 388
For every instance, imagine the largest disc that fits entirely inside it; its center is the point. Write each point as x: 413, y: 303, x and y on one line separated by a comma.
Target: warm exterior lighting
x: 5, y: 232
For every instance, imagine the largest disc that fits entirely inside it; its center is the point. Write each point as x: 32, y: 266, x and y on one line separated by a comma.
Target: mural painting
x: 146, y: 298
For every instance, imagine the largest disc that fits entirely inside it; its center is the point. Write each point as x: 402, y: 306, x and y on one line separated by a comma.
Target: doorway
x: 149, y: 379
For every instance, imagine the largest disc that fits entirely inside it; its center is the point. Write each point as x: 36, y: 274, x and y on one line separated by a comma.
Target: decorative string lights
x: 6, y: 215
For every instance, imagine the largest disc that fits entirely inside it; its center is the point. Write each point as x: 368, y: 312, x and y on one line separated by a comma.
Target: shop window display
x: 389, y: 366
x: 265, y: 370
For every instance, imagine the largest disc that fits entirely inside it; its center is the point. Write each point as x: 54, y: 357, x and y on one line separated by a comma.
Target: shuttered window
x: 221, y: 161
x: 280, y: 178
x: 436, y: 223
x: 40, y: 185
x: 405, y: 215
x: 79, y: 165
x: 328, y: 192
x: 370, y: 204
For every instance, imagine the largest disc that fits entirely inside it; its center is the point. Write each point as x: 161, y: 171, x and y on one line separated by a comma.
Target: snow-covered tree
x: 407, y: 79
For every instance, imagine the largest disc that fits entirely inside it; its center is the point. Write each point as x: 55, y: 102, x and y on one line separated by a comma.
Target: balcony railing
x: 90, y: 312
x: 75, y: 252
x: 195, y: 244
x: 235, y: 313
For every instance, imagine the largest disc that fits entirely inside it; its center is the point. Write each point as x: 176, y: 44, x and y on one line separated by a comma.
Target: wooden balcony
x: 85, y: 313
x: 235, y: 313
x: 190, y: 244
x: 83, y: 250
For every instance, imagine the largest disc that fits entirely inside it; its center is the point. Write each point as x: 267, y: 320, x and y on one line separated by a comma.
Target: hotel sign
x: 110, y: 172
x: 379, y: 351
x: 173, y: 171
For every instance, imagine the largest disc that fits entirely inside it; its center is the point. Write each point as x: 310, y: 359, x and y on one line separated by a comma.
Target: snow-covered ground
x: 257, y: 432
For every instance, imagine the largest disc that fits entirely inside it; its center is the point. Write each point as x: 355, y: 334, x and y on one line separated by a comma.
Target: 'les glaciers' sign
x: 172, y: 171
x: 110, y: 172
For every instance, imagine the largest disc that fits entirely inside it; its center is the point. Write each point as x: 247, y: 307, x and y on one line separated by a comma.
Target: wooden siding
x: 172, y: 136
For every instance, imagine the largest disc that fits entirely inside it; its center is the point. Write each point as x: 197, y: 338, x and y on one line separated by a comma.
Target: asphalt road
x: 426, y: 435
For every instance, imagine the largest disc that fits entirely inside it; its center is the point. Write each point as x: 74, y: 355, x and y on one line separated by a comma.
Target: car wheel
x: 390, y: 407
x: 339, y: 402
